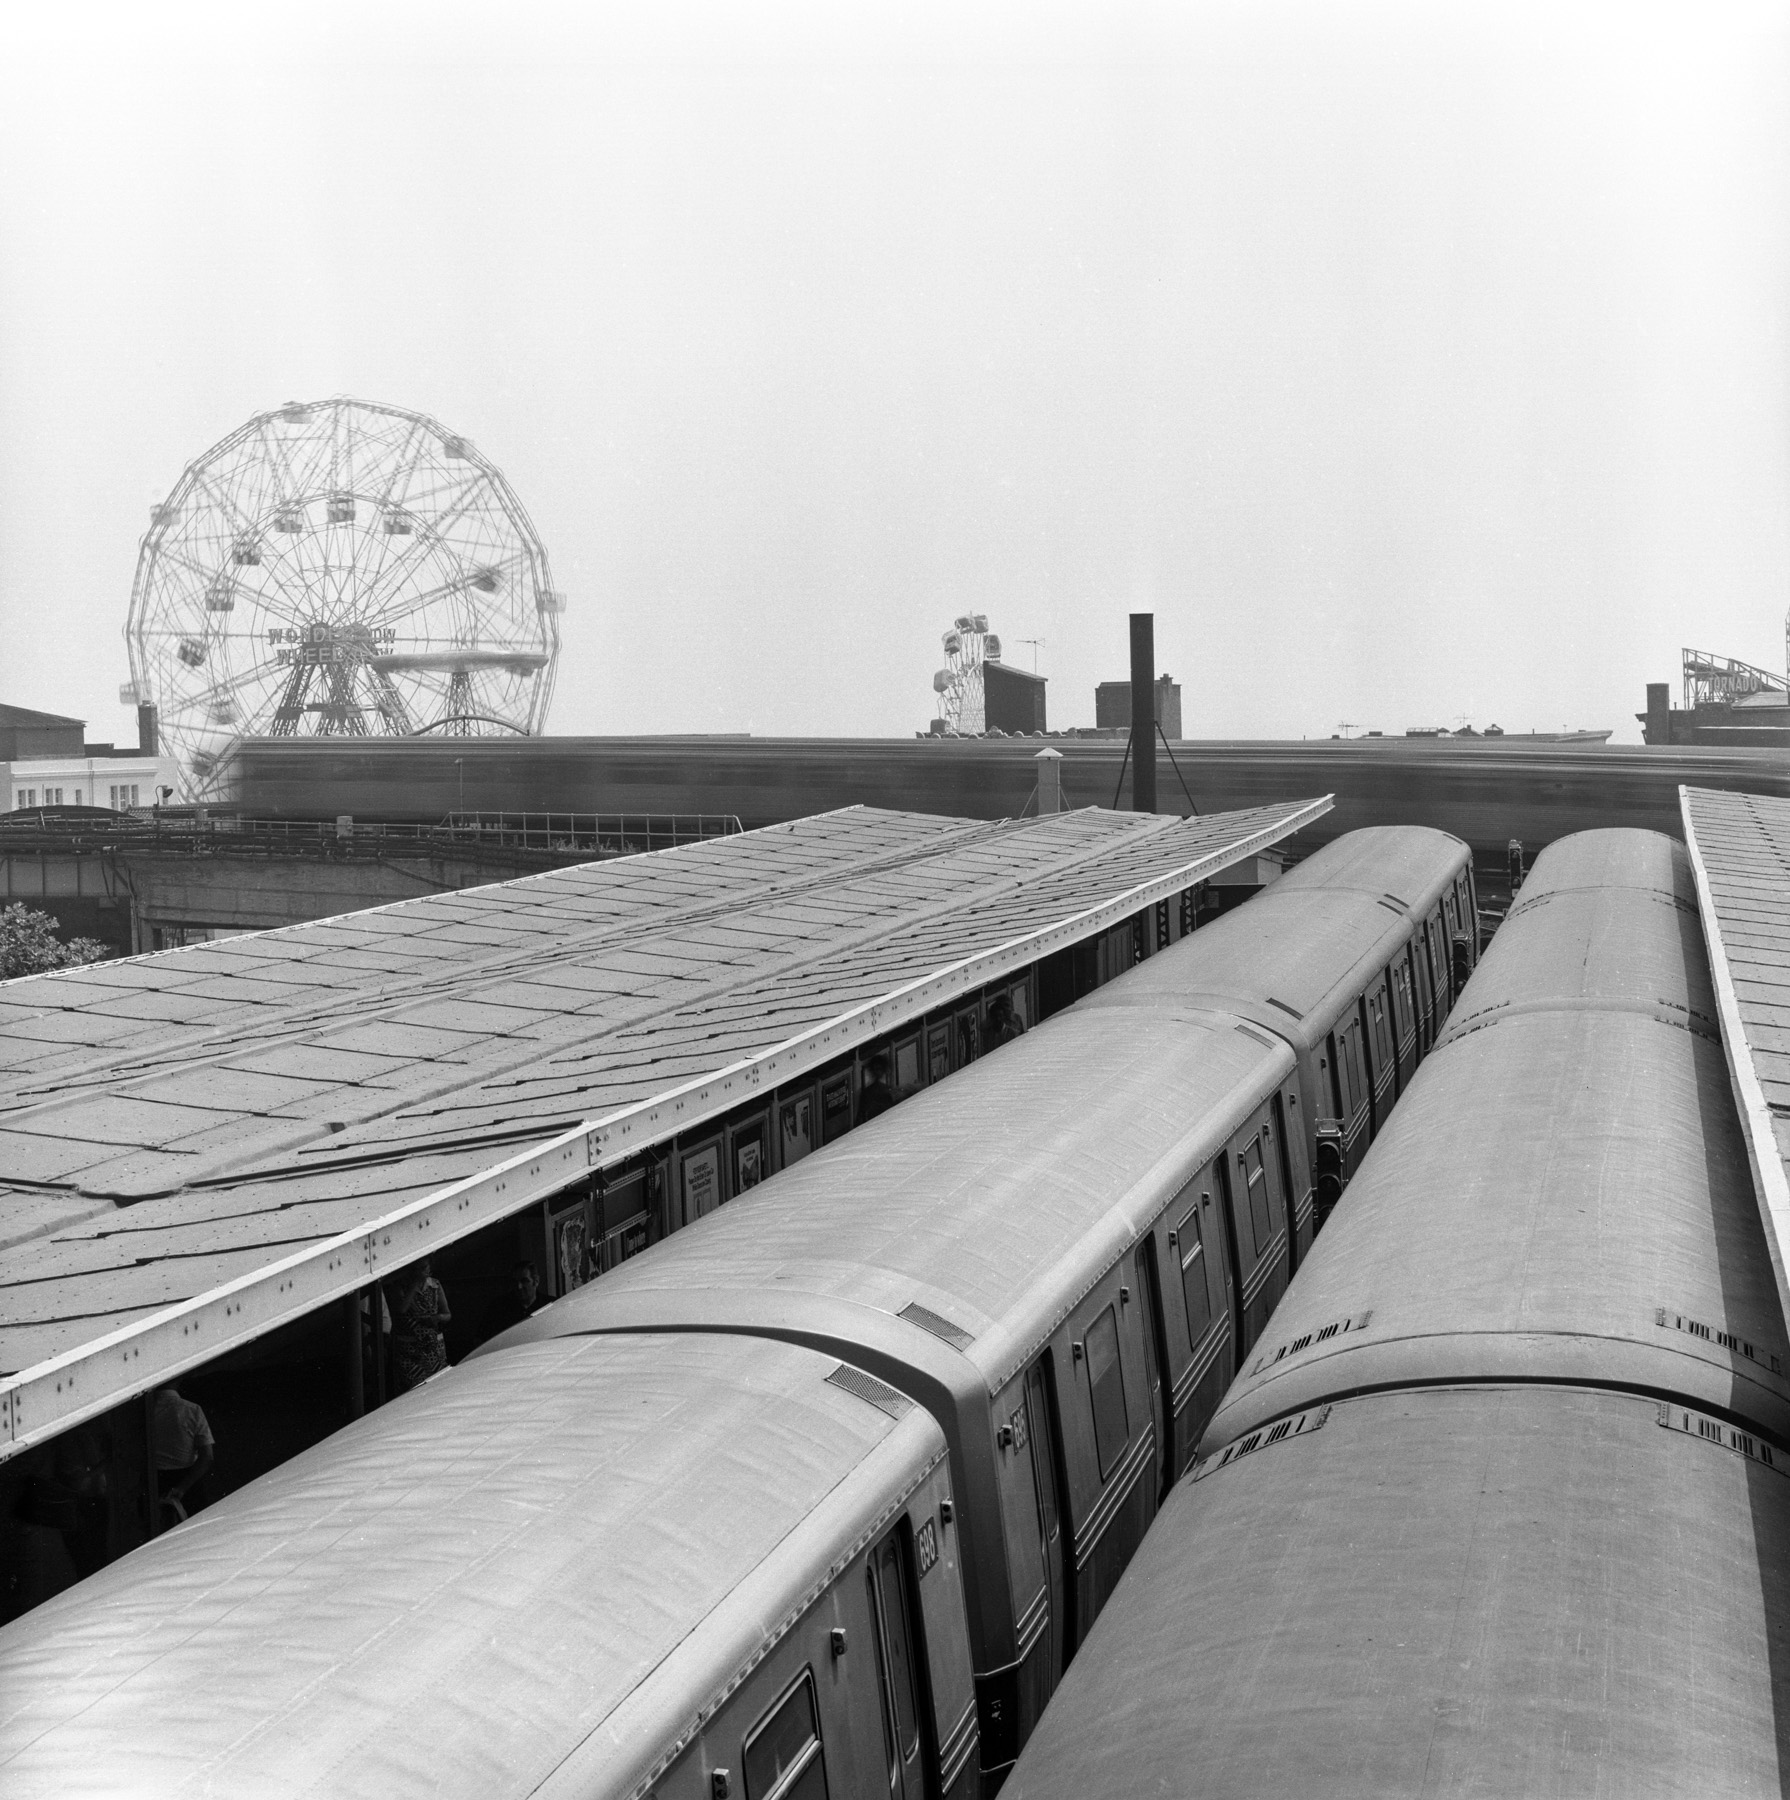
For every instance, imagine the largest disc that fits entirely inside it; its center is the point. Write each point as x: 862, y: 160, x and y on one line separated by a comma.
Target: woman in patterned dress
x: 419, y: 1312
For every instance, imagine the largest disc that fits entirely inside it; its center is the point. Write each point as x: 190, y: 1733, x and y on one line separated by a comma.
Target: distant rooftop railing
x: 613, y: 832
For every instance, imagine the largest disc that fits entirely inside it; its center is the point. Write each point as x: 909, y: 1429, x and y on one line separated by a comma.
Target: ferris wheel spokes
x: 340, y: 568
x: 959, y: 684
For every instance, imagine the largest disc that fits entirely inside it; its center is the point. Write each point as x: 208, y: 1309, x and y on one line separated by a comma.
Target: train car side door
x: 1200, y: 1355
x: 891, y: 1608
x: 1108, y: 1441
x: 1436, y: 944
x: 1466, y: 912
x: 1381, y: 1059
x: 1255, y: 1208
x: 1295, y: 1173
x: 1041, y: 1419
x: 1035, y: 1559
x: 1424, y: 988
x: 1147, y: 1290
x: 1351, y: 1083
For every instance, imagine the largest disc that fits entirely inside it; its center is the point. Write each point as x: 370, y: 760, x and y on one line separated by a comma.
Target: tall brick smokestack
x: 1143, y: 712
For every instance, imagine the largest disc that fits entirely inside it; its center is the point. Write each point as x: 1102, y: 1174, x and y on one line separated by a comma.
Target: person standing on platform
x: 184, y: 1450
x: 1003, y: 1022
x: 418, y: 1315
x: 876, y: 1097
x: 516, y: 1303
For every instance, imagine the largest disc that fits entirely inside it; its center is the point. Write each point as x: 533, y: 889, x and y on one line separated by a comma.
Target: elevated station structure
x: 160, y: 880
x: 1740, y: 858
x: 200, y: 1148
x: 1484, y: 790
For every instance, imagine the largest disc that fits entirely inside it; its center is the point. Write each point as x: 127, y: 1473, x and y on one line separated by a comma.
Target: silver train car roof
x: 650, y: 1505
x: 1565, y: 1100
x: 996, y: 1220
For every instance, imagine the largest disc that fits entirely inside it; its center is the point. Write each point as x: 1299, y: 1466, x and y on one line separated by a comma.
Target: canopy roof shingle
x: 200, y: 1145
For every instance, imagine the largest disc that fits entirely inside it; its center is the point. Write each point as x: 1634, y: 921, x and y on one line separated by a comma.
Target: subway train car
x: 685, y: 1566
x: 1501, y: 1504
x: 999, y: 1317
x: 1354, y: 959
x: 1062, y: 1251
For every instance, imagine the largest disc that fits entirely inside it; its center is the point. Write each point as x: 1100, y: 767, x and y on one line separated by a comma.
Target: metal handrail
x: 553, y: 830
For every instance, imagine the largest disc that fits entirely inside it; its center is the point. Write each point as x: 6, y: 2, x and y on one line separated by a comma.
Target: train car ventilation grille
x: 1322, y: 1335
x: 1292, y: 1012
x: 1301, y: 1425
x: 928, y: 1320
x: 1714, y: 1334
x: 878, y: 1393
x: 1723, y: 1437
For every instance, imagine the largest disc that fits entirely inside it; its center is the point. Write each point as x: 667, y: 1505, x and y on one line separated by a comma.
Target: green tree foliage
x: 29, y: 945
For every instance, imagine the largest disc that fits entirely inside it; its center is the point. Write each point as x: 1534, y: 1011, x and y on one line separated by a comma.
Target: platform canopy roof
x: 1740, y: 858
x: 201, y: 1145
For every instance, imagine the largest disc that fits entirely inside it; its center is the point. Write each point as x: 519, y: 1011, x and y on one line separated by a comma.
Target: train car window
x: 1401, y: 998
x: 1273, y: 1174
x: 895, y: 1667
x: 1289, y: 1187
x: 782, y: 1755
x: 1424, y: 988
x: 1106, y: 1391
x: 1190, y: 1240
x: 1345, y: 1096
x: 1376, y: 1012
x: 1438, y: 965
x: 1255, y: 1184
x: 1348, y: 1041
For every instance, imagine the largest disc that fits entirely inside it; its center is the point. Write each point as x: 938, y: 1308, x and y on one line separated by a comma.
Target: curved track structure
x: 1501, y: 1503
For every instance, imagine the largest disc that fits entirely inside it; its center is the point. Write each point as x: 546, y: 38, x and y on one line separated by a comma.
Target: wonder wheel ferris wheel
x: 968, y: 645
x: 340, y: 568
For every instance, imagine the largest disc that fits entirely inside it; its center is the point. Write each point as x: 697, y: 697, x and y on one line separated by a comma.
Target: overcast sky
x: 1410, y: 362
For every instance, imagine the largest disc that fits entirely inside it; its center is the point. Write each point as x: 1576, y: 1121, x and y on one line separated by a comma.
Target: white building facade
x: 118, y: 783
